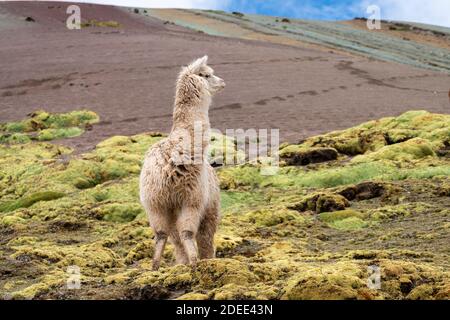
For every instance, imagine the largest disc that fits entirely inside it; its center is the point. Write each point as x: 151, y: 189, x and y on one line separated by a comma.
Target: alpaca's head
x: 201, y: 76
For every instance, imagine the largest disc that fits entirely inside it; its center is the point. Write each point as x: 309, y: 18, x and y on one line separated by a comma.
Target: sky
x: 435, y: 12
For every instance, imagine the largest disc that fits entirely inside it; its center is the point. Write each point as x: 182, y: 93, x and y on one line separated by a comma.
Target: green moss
x: 140, y: 251
x: 234, y: 200
x: 40, y: 120
x: 345, y: 220
x: 45, y: 284
x: 219, y: 272
x: 271, y: 217
x: 51, y: 134
x: 223, y: 150
x: 340, y: 215
x: 46, y: 126
x: 400, y: 210
x: 12, y: 221
x: 352, y: 223
x: 15, y: 127
x: 193, y: 296
x: 412, y: 149
x: 14, y: 138
x: 343, y: 280
x: 119, y: 212
x: 248, y: 176
x: 373, y: 135
x: 234, y: 177
x: 422, y: 292
x: 28, y: 201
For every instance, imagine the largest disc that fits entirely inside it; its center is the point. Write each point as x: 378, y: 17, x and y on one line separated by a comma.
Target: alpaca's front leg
x: 187, y: 226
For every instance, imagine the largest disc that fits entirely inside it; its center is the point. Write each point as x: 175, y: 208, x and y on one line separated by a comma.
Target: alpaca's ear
x: 197, y: 64
x: 204, y: 60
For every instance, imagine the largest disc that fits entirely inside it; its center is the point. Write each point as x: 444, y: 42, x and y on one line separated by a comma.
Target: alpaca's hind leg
x: 205, y: 235
x: 160, y: 226
x: 160, y: 243
x: 187, y: 226
x: 180, y: 254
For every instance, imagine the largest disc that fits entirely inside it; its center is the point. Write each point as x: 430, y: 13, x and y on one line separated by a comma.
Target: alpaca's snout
x: 218, y: 84
x: 221, y: 83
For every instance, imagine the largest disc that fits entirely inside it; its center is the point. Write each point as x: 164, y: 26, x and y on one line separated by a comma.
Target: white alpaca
x: 182, y: 198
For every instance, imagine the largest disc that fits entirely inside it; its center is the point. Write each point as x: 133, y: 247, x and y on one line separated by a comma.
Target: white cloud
x: 435, y: 12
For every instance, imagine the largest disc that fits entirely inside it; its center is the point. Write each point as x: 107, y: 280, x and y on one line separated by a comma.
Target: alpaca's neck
x: 188, y: 113
x: 191, y: 122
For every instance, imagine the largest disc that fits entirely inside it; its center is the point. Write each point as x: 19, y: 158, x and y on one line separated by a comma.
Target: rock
x: 363, y: 191
x: 406, y: 285
x: 29, y: 19
x: 322, y: 202
x: 445, y: 151
x: 148, y: 292
x: 302, y: 157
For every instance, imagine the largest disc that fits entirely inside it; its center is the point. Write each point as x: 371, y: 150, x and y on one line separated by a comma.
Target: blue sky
x: 306, y: 9
x: 427, y: 11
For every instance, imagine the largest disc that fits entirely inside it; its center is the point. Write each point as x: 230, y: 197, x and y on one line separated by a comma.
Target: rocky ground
x: 375, y: 195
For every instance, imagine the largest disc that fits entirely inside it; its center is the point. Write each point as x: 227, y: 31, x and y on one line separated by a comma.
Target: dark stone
x: 322, y: 202
x: 315, y: 155
x: 29, y: 19
x: 148, y: 292
x: 66, y: 225
x: 363, y: 191
x: 247, y: 248
x: 406, y: 286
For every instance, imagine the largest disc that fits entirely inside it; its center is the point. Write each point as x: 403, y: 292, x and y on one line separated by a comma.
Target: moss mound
x: 373, y: 135
x: 45, y: 126
x: 28, y: 201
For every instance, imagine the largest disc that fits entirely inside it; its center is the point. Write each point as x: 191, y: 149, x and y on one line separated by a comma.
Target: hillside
x: 126, y: 72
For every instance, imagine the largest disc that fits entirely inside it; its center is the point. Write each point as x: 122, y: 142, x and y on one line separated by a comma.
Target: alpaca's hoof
x: 193, y: 261
x: 155, y: 265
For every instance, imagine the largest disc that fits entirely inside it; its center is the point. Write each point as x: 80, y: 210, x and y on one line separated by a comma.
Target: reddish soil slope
x: 127, y: 75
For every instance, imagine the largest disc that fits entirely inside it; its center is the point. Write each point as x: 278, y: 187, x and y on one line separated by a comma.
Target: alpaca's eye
x: 207, y: 76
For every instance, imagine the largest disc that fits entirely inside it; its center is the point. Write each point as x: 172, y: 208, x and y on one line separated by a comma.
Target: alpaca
x: 181, y: 196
